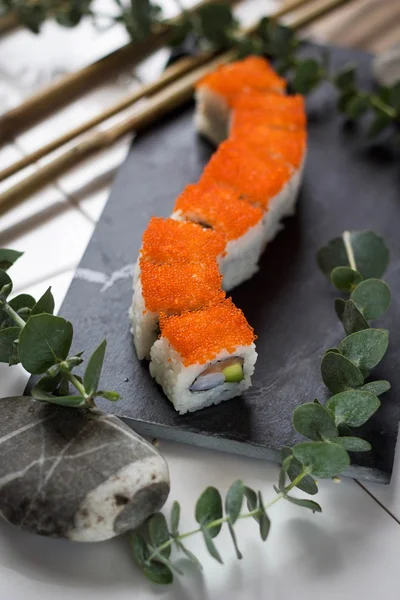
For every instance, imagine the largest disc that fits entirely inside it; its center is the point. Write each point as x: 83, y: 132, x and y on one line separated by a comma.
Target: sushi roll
x: 216, y: 92
x: 222, y: 209
x: 170, y: 288
x: 274, y: 110
x: 204, y: 357
x: 167, y: 240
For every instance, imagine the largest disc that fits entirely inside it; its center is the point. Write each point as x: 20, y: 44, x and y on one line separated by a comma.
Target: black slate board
x: 349, y: 184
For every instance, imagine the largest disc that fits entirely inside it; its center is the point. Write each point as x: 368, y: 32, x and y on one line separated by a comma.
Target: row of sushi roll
x: 200, y: 346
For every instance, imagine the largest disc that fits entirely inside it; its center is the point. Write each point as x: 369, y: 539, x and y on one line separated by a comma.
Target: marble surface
x: 350, y: 551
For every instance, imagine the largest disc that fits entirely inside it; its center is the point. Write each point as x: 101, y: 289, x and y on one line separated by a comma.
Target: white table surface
x: 350, y: 551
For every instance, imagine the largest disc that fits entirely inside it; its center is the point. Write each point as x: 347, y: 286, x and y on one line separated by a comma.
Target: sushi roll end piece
x: 204, y: 357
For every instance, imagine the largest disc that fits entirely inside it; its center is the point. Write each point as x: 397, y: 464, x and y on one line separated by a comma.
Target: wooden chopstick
x: 69, y: 87
x: 157, y: 106
x: 8, y: 22
x: 180, y: 68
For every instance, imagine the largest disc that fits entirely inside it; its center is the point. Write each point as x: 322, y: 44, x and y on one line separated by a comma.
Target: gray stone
x: 71, y: 473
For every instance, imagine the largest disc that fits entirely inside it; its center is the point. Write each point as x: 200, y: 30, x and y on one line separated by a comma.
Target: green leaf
x: 379, y: 123
x: 158, y: 572
x: 45, y: 304
x: 324, y: 459
x: 365, y: 348
x: 370, y: 254
x: 209, y: 508
x: 357, y: 106
x: 307, y: 76
x: 345, y: 78
x: 108, y: 395
x: 307, y: 483
x: 93, y: 369
x: 189, y: 555
x: 353, y: 408
x: 283, y: 471
x: 7, y: 339
x: 314, y: 506
x: 8, y: 258
x: 265, y: 523
x: 22, y: 304
x: 72, y: 401
x: 376, y: 387
x: 5, y: 281
x: 345, y: 98
x: 139, y: 548
x: 353, y: 444
x: 345, y: 279
x: 251, y: 497
x: 395, y: 96
x: 234, y: 540
x: 234, y: 500
x: 339, y: 373
x: 372, y: 297
x: 210, y: 544
x: 158, y: 533
x: 314, y: 421
x: 49, y: 384
x: 175, y: 516
x: 216, y: 22
x: 352, y: 318
x: 44, y: 341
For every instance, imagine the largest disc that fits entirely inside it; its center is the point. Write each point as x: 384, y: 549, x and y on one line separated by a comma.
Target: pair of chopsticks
x: 172, y: 89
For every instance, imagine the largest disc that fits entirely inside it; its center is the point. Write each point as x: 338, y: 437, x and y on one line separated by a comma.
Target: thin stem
x: 349, y: 250
x: 13, y: 315
x: 378, y: 103
x: 75, y: 382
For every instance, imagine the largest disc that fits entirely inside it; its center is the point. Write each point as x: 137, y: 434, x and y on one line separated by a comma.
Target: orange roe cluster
x: 274, y: 110
x: 257, y: 179
x: 199, y: 336
x: 219, y: 207
x: 179, y: 286
x: 251, y: 73
x: 263, y: 140
x: 166, y: 240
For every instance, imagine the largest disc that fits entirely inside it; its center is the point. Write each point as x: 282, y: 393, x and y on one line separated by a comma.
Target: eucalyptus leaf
x: 376, y: 387
x: 189, y: 555
x: 251, y: 497
x: 234, y: 540
x: 72, y: 401
x: 209, y: 509
x: 211, y: 547
x: 372, y: 297
x: 21, y: 302
x: 353, y: 408
x: 352, y: 318
x: 158, y: 572
x: 307, y: 76
x: 357, y: 106
x: 365, y: 348
x: 353, y: 444
x: 7, y: 338
x: 369, y: 251
x: 5, y: 281
x: 345, y: 78
x: 264, y: 522
x: 93, y: 369
x: 324, y: 459
x: 45, y: 304
x: 158, y: 533
x: 49, y: 384
x: 175, y: 516
x: 8, y: 258
x: 216, y: 23
x: 345, y: 279
x: 234, y: 500
x: 314, y: 421
x: 305, y: 503
x: 139, y: 548
x: 44, y: 341
x: 108, y: 395
x: 284, y: 469
x: 307, y: 483
x: 339, y: 373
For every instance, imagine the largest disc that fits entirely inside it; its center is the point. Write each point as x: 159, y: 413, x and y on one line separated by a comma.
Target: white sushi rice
x: 168, y: 370
x: 144, y: 324
x: 212, y: 115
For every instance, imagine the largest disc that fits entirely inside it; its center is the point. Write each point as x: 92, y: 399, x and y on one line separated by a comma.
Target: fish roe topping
x: 219, y: 207
x: 281, y: 119
x: 290, y: 145
x: 291, y: 107
x: 166, y: 240
x: 201, y: 335
x: 252, y: 73
x: 179, y: 286
x: 237, y: 165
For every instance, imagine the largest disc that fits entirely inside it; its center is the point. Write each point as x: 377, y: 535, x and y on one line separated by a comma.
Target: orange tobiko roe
x: 277, y: 110
x: 253, y: 72
x: 167, y: 240
x: 219, y: 207
x: 290, y: 145
x: 237, y: 165
x: 179, y: 286
x: 201, y: 335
